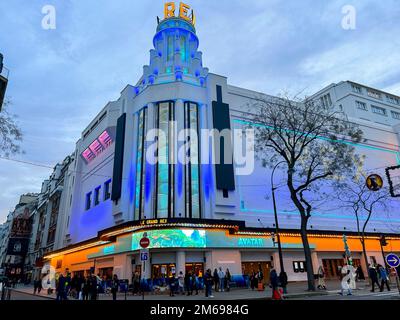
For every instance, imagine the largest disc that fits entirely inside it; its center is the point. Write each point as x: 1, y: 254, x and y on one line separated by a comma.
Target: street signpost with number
x: 393, y: 261
x: 144, y: 255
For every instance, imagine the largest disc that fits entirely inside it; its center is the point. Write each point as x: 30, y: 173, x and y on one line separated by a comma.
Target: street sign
x: 144, y: 255
x: 374, y: 182
x: 144, y: 242
x: 393, y: 260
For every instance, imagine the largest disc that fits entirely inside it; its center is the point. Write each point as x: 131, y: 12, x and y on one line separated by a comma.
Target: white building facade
x: 197, y: 214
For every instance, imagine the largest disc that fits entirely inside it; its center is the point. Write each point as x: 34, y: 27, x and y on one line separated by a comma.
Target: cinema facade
x: 196, y: 216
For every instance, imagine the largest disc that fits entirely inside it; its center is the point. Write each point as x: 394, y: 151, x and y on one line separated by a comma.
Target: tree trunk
x: 307, y: 254
x: 365, y: 254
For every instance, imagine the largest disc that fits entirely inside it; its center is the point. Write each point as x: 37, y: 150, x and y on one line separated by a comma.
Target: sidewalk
x: 295, y: 290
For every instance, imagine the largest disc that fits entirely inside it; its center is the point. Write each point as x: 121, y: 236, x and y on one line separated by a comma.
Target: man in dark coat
x: 373, y: 275
x: 61, y: 295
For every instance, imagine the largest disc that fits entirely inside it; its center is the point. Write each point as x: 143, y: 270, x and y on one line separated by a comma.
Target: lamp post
x: 278, y: 237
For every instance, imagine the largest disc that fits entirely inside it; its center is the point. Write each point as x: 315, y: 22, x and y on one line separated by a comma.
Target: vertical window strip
x: 139, y: 166
x: 192, y: 168
x: 165, y: 193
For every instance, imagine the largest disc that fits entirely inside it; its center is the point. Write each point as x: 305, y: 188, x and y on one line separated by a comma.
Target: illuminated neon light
x: 101, y: 143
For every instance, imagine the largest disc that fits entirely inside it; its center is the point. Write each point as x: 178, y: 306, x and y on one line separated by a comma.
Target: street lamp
x: 278, y: 237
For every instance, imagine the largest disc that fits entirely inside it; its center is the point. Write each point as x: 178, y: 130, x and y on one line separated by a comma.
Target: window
x: 107, y: 191
x: 140, y: 164
x: 356, y: 89
x: 326, y: 100
x: 361, y: 105
x: 97, y: 196
x: 165, y: 167
x: 192, y: 168
x: 170, y: 48
x: 88, y: 200
x: 396, y: 115
x: 392, y: 99
x: 379, y: 110
x: 374, y: 94
x: 299, y: 266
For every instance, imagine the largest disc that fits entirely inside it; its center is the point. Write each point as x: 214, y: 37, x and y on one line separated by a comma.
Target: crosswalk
x: 363, y: 294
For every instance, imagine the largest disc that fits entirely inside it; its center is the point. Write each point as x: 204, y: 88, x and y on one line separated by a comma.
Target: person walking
x: 181, y: 283
x: 114, y: 287
x: 345, y: 280
x: 384, y: 278
x: 93, y: 287
x: 35, y: 285
x: 321, y: 278
x: 171, y: 283
x: 195, y: 283
x: 228, y: 279
x: 274, y: 283
x: 373, y: 275
x: 208, y: 282
x: 61, y: 288
x: 216, y: 280
x: 253, y: 280
x: 359, y: 274
x: 221, y: 279
x: 188, y: 286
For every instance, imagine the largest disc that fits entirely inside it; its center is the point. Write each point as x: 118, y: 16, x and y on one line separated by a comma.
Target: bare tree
x: 313, y: 140
x: 10, y: 133
x: 355, y: 195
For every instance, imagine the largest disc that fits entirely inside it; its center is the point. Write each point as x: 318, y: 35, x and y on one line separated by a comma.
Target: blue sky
x: 60, y: 79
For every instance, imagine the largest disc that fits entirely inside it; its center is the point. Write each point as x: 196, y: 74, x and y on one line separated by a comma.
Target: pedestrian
x: 283, y: 280
x: 171, y: 283
x: 188, y: 286
x: 93, y: 287
x: 216, y: 280
x: 274, y: 283
x: 373, y: 275
x: 114, y: 287
x: 208, y: 282
x: 345, y: 280
x: 228, y: 279
x: 359, y: 274
x: 195, y: 283
x: 253, y: 280
x: 321, y: 278
x: 384, y: 278
x: 35, y: 285
x: 61, y: 288
x: 85, y: 289
x: 260, y: 276
x: 136, y: 283
x: 181, y: 283
x: 221, y: 279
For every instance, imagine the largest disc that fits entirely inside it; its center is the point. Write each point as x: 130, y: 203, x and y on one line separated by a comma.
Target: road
x: 363, y: 295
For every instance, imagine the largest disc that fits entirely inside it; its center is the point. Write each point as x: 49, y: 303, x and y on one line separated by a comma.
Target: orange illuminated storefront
x: 181, y: 245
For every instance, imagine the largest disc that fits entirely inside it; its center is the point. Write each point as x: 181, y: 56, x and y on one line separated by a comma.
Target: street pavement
x: 296, y: 291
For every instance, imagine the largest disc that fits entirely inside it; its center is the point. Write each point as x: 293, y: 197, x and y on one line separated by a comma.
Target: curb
x: 31, y: 294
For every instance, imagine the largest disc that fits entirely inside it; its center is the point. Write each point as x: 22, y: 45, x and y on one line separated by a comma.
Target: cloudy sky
x: 60, y: 79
